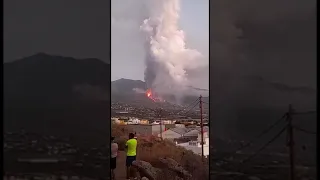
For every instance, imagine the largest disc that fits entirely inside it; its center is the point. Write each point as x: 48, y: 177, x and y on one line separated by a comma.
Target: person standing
x: 114, y: 154
x: 131, y: 147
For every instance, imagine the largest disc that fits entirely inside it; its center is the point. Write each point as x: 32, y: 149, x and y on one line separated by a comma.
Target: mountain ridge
x: 61, y: 92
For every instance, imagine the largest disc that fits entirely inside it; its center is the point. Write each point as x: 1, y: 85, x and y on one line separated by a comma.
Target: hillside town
x: 169, y: 113
x: 171, y: 124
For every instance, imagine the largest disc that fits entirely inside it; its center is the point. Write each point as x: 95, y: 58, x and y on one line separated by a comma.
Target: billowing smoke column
x: 167, y: 57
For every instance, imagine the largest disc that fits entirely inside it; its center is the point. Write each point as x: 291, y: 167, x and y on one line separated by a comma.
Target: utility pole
x: 291, y: 143
x: 201, y: 118
x: 160, y: 124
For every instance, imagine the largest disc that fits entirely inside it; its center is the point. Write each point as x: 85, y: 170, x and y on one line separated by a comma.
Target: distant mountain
x: 61, y: 92
x: 127, y: 86
x: 199, y: 89
x: 250, y: 90
x: 133, y: 91
x: 44, y: 78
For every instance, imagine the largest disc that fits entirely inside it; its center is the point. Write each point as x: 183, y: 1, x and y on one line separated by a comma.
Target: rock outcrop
x: 145, y: 169
x: 175, y: 167
x: 171, y: 170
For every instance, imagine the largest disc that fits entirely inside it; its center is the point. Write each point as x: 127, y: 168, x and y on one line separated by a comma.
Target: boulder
x: 172, y: 165
x: 171, y: 170
x: 145, y: 169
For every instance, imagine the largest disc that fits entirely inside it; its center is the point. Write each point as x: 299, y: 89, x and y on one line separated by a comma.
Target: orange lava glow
x: 149, y: 94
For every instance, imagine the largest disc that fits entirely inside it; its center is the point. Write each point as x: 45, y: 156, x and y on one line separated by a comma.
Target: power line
x: 259, y: 136
x: 304, y: 130
x: 193, y: 103
x: 263, y: 132
x: 191, y: 108
x: 266, y: 145
x: 303, y: 113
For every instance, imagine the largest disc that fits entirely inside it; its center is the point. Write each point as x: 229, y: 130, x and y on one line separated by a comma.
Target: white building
x: 164, y: 121
x: 174, y: 133
x: 156, y: 122
x: 193, y: 133
x: 180, y: 125
x: 167, y: 122
x: 145, y: 129
x: 195, y: 146
x: 125, y: 111
x: 133, y: 121
x: 115, y: 120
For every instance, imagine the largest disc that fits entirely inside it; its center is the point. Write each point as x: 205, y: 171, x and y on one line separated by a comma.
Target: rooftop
x: 180, y: 130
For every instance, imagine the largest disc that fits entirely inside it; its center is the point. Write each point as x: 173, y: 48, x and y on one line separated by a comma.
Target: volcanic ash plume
x: 167, y: 57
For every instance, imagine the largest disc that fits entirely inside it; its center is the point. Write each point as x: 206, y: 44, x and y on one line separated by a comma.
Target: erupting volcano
x: 149, y: 94
x: 153, y: 96
x: 167, y: 57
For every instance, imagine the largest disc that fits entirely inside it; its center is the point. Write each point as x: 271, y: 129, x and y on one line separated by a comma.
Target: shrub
x: 151, y: 152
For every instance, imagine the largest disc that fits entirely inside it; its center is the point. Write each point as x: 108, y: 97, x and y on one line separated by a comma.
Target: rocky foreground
x: 171, y: 170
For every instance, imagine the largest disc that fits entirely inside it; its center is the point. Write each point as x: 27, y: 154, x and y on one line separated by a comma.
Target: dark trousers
x: 113, y: 163
x: 129, y: 160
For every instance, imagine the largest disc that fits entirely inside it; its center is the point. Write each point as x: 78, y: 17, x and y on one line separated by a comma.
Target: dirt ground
x: 120, y: 171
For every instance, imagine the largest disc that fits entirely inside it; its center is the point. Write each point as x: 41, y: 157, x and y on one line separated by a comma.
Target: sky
x: 72, y: 28
x: 128, y: 53
x: 79, y: 29
x: 274, y: 39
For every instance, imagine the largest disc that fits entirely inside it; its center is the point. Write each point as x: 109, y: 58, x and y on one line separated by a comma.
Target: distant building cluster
x: 145, y: 112
x: 124, y: 120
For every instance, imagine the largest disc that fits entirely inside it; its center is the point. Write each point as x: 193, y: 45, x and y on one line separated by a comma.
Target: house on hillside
x: 195, y: 145
x: 174, y: 133
x: 144, y: 121
x: 194, y: 133
x: 121, y: 111
x: 115, y: 120
x: 133, y: 121
x: 180, y: 125
x: 145, y: 129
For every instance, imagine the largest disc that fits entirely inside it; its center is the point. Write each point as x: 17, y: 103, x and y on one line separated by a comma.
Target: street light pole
x: 201, y: 118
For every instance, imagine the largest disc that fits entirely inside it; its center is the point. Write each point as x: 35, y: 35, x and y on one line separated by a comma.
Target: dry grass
x: 150, y: 149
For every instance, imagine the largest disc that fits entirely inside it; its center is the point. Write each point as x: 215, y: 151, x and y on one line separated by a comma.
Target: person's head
x: 131, y: 136
x: 112, y: 139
